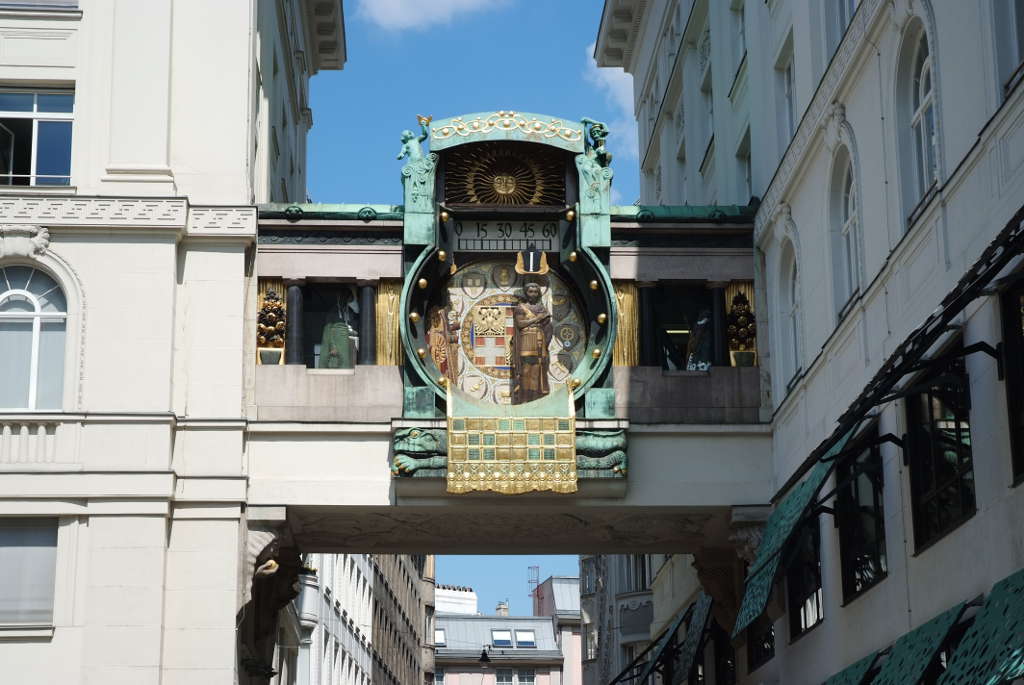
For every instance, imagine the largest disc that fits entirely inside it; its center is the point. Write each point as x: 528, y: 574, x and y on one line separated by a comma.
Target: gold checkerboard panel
x: 511, y: 455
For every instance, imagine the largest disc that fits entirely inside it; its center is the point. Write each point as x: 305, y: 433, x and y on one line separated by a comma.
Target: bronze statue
x: 530, y: 356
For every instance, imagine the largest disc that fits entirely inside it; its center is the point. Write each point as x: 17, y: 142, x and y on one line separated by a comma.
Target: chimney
x: 502, y: 609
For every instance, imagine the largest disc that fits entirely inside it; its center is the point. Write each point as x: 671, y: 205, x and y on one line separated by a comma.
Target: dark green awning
x: 992, y: 651
x: 911, y: 654
x: 777, y: 532
x: 699, y: 613
x: 855, y: 674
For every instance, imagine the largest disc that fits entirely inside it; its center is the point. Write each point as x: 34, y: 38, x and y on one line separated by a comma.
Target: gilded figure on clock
x: 530, y: 346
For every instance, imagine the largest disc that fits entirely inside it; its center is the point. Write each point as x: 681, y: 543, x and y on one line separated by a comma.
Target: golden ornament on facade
x: 569, y: 216
x: 422, y: 283
x: 444, y: 216
x: 573, y: 256
x: 504, y: 174
x: 414, y: 317
x: 602, y: 317
x: 594, y: 285
x: 421, y: 352
x: 596, y: 354
x: 506, y: 120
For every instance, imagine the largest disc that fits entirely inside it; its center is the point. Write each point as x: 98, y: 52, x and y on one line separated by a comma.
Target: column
x: 367, y: 324
x: 646, y: 328
x: 720, y: 356
x: 293, y: 341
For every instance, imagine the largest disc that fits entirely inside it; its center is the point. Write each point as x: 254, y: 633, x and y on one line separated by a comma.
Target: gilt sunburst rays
x: 504, y: 174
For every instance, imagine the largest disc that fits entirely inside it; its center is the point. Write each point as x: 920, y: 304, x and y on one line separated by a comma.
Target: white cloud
x: 617, y: 87
x: 399, y: 15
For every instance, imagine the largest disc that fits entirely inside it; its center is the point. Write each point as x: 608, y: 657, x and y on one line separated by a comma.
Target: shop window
x: 1013, y: 341
x: 861, y: 521
x: 803, y: 581
x: 33, y: 319
x: 35, y: 137
x: 941, y: 463
x: 331, y: 326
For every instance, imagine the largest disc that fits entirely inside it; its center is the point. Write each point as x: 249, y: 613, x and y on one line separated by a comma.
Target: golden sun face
x: 504, y: 174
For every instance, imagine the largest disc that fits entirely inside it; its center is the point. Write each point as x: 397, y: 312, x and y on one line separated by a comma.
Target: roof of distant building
x: 466, y: 636
x: 455, y: 588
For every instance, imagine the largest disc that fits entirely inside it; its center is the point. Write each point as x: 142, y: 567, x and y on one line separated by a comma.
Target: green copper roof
x: 910, y: 655
x: 295, y: 211
x: 992, y: 651
x: 777, y: 532
x: 682, y: 213
x: 855, y: 674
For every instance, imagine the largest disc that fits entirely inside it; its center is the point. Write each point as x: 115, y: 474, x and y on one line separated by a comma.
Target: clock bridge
x: 507, y: 362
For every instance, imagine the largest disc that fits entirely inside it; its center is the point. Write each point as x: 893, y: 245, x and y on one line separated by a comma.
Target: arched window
x: 790, y: 320
x: 33, y: 318
x: 922, y: 120
x: 845, y: 223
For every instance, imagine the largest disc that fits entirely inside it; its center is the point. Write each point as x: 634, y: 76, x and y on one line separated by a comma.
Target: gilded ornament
x: 602, y: 317
x: 570, y: 215
x: 422, y: 283
x: 573, y: 256
x: 575, y: 383
x: 414, y: 317
x: 442, y: 255
x: 444, y: 216
x: 421, y: 352
x: 506, y: 120
x: 594, y: 285
x: 596, y: 354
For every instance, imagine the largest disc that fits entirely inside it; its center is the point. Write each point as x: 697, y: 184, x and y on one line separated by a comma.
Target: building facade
x: 496, y: 650
x: 559, y: 598
x: 881, y: 139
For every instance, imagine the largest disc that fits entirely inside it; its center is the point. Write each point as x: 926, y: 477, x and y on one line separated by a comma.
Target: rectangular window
x: 760, y: 647
x: 676, y: 328
x: 1013, y: 340
x: 636, y: 572
x: 28, y: 547
x: 527, y: 676
x: 526, y: 638
x: 35, y: 137
x: 501, y: 638
x: 590, y: 636
x: 504, y: 676
x: 439, y: 640
x: 860, y: 518
x: 803, y: 581
x: 941, y: 463
x: 438, y: 676
x: 785, y: 97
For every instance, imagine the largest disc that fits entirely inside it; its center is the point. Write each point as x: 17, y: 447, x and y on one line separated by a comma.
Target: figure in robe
x: 530, y: 356
x: 699, y: 347
x: 338, y: 343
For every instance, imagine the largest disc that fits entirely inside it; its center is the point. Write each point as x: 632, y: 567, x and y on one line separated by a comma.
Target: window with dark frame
x: 860, y: 520
x: 760, y: 647
x: 1013, y: 358
x: 941, y: 463
x: 803, y: 581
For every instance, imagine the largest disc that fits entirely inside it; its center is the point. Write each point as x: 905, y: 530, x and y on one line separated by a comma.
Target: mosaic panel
x: 910, y: 655
x: 992, y: 651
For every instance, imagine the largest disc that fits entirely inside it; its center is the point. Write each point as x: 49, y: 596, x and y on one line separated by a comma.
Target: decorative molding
x: 95, y: 211
x: 221, y: 221
x: 819, y: 108
x: 23, y: 240
x: 834, y: 123
x: 506, y: 125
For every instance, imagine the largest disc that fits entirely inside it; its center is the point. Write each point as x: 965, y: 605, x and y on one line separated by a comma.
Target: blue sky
x: 451, y: 57
x: 498, y: 578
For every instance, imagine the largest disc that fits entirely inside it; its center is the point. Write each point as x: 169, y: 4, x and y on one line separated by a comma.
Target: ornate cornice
x: 820, y: 112
x: 507, y: 125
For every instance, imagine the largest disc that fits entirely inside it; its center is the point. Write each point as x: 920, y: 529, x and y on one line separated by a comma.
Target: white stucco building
x: 884, y: 142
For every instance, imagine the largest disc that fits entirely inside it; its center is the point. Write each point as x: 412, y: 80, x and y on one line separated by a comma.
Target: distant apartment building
x: 455, y: 599
x: 496, y: 650
x: 559, y: 598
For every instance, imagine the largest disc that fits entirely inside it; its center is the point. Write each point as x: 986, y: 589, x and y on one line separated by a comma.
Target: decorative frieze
x: 80, y: 211
x: 218, y: 221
